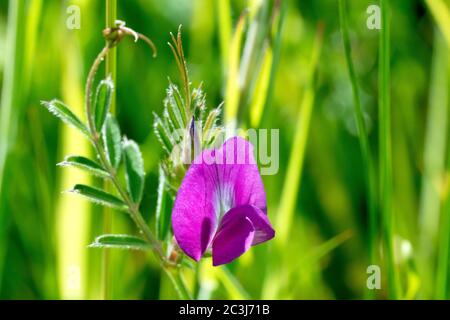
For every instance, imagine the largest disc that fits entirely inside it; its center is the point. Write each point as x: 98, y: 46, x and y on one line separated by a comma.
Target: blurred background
x: 291, y: 57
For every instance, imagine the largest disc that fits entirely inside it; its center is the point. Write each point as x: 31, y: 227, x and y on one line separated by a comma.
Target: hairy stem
x: 133, y: 210
x: 170, y: 267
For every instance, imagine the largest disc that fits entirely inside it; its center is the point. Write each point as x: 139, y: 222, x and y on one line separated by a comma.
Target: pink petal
x: 217, y: 181
x: 260, y: 221
x: 237, y: 168
x: 193, y: 216
x: 233, y: 238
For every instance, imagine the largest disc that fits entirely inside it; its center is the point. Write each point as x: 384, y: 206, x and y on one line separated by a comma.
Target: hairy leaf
x: 134, y: 166
x: 174, y: 107
x: 163, y: 207
x: 163, y: 134
x: 99, y: 196
x: 85, y: 164
x: 120, y: 241
x: 102, y: 102
x: 112, y: 141
x: 60, y: 110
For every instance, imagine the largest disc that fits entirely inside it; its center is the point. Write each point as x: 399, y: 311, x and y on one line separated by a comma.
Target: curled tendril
x: 114, y: 35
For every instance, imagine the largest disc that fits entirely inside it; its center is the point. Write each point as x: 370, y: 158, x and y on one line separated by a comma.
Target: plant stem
x: 434, y: 219
x: 110, y: 71
x: 444, y: 246
x: 133, y: 210
x: 111, y: 57
x: 177, y: 280
x: 362, y: 134
x: 385, y: 155
x: 168, y: 266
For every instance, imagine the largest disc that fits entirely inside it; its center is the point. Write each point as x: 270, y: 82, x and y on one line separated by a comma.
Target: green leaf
x: 199, y: 103
x: 163, y: 207
x: 100, y: 197
x: 112, y: 141
x: 174, y: 108
x: 134, y: 166
x: 209, y: 129
x: 179, y: 103
x: 60, y: 110
x: 102, y: 102
x: 85, y: 164
x: 120, y: 241
x: 163, y: 135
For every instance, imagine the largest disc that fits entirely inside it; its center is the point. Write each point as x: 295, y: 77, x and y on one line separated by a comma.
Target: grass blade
x: 293, y: 175
x: 231, y: 284
x: 441, y: 13
x: 444, y: 242
x: 10, y: 96
x: 224, y: 12
x: 110, y: 72
x: 362, y: 134
x: 261, y: 87
x: 436, y: 142
x: 72, y: 214
x: 385, y: 152
x: 232, y: 94
x: 286, y: 209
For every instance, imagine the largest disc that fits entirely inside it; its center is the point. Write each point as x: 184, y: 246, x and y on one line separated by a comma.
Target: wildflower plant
x: 218, y: 206
x: 185, y: 127
x: 113, y: 150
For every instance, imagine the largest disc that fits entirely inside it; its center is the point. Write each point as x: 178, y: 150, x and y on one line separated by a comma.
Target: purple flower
x: 221, y: 204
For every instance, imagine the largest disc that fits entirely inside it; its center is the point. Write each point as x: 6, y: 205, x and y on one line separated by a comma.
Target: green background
x: 318, y: 197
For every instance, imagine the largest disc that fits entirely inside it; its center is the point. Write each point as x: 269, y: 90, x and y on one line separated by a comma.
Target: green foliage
x: 60, y: 110
x: 163, y: 208
x: 102, y: 103
x: 120, y: 241
x: 112, y: 141
x: 162, y: 133
x: 99, y: 196
x: 183, y: 130
x: 134, y: 166
x: 331, y: 194
x: 86, y: 164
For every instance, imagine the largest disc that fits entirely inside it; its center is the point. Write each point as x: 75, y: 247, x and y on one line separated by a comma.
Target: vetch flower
x: 221, y: 204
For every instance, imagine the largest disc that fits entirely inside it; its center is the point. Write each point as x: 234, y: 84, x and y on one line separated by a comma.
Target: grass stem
x: 385, y: 150
x: 110, y: 70
x: 362, y: 134
x: 10, y: 96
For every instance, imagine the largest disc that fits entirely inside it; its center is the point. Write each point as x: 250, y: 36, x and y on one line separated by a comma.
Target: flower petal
x: 233, y: 238
x: 237, y: 168
x: 193, y: 217
x: 217, y: 181
x: 260, y: 221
